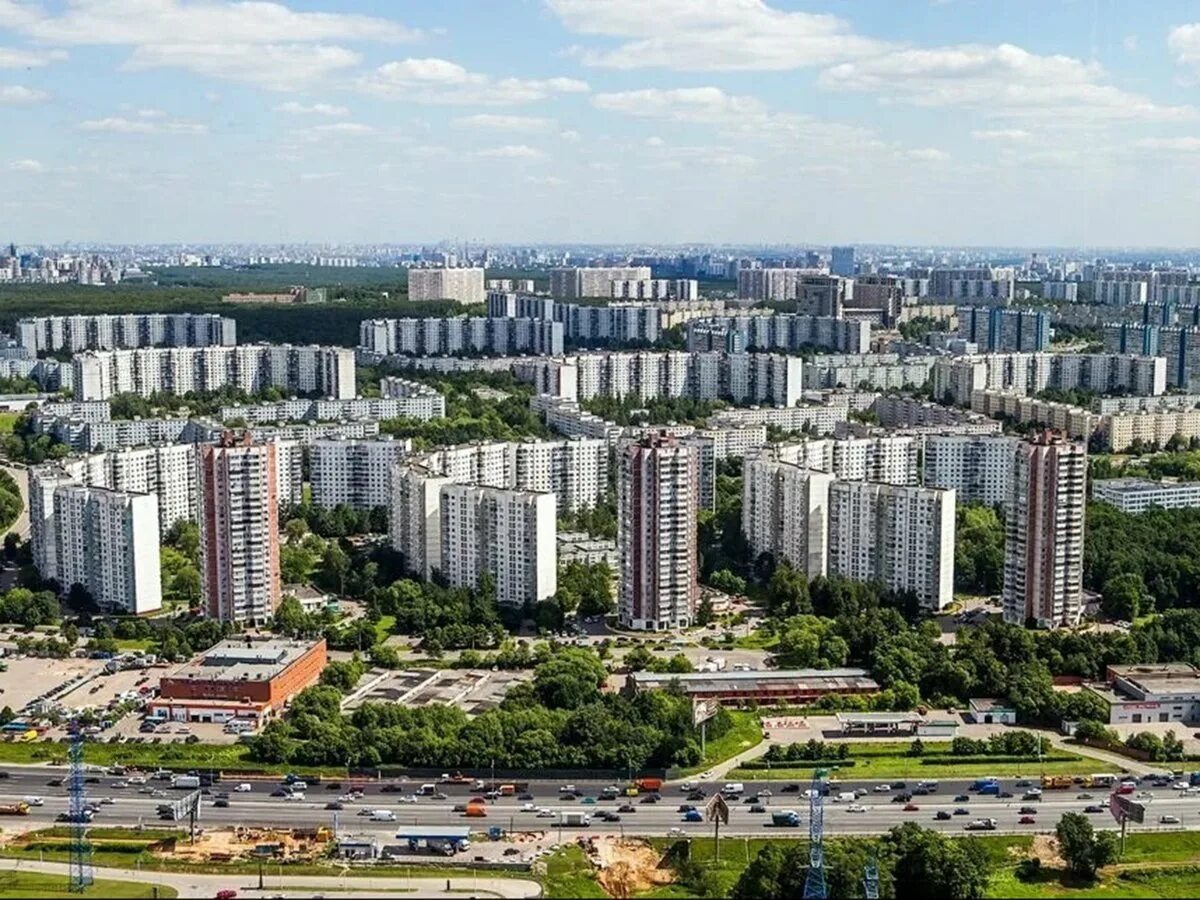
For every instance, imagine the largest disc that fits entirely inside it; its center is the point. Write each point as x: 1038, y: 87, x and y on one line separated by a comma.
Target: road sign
x: 1124, y: 808
x: 717, y: 810
x: 703, y: 710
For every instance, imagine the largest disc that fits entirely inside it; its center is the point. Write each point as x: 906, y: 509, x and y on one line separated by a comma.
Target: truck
x: 15, y: 809
x: 992, y: 790
x: 732, y: 788
x: 981, y: 783
x: 186, y: 782
x: 476, y: 811
x: 1056, y: 782
x: 382, y: 815
x: 575, y: 819
x: 1194, y: 779
x: 786, y: 818
x: 649, y: 785
x: 845, y: 797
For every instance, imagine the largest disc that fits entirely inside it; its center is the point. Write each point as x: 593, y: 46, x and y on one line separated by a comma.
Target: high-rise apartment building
x: 900, y: 535
x: 575, y: 283
x: 510, y: 535
x: 461, y: 285
x: 785, y: 510
x: 771, y: 284
x: 984, y: 285
x: 355, y: 473
x: 658, y: 499
x: 978, y: 467
x: 841, y: 261
x: 105, y: 541
x: 239, y: 530
x: 1043, y: 547
x: 998, y: 328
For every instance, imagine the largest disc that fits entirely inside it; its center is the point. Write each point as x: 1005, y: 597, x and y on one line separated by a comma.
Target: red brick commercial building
x: 239, y: 679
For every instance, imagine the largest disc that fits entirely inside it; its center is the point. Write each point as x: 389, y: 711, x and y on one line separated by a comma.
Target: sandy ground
x: 28, y: 677
x: 626, y: 867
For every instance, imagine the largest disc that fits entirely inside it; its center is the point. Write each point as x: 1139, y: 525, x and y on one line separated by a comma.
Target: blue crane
x: 814, y: 881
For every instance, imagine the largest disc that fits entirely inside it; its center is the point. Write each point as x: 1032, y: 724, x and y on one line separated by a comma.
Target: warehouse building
x: 782, y: 686
x: 1161, y: 692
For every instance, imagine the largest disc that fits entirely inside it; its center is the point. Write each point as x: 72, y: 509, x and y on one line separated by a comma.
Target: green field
x: 745, y: 733
x: 7, y: 420
x: 383, y: 628
x: 36, y: 884
x: 151, y: 756
x: 569, y: 874
x: 890, y: 759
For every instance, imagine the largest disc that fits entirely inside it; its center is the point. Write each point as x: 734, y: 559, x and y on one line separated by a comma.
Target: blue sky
x: 1056, y: 122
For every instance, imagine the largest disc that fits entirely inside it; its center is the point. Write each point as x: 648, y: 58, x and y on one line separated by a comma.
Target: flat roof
x: 434, y: 831
x: 984, y: 704
x: 830, y: 679
x: 1142, y: 485
x: 240, y: 660
x: 871, y: 718
x: 1156, y: 670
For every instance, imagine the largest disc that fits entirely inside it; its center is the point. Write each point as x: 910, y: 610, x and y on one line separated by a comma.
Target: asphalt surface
x: 874, y: 812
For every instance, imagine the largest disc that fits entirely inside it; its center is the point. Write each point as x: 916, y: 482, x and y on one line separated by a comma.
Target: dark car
x: 899, y: 785
x: 962, y: 811
x: 1094, y: 808
x: 758, y: 808
x: 626, y: 808
x: 55, y: 782
x: 686, y: 807
x: 1027, y: 820
x: 525, y: 796
x: 221, y: 803
x: 696, y: 795
x: 392, y: 789
x: 613, y: 817
x: 649, y: 798
x: 791, y: 788
x: 942, y: 815
x: 1029, y: 810
x: 962, y: 798
x: 1024, y: 782
x: 1006, y: 795
x: 921, y: 792
x: 458, y: 808
x: 335, y: 804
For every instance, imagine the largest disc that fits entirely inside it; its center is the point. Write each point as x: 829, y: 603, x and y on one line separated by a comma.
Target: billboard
x: 703, y: 710
x: 1125, y: 809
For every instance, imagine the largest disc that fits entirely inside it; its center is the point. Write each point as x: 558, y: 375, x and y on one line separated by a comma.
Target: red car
x: 226, y: 894
x: 1027, y: 820
x: 911, y: 807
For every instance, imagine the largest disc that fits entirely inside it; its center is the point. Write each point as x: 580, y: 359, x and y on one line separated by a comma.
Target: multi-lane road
x: 873, y: 812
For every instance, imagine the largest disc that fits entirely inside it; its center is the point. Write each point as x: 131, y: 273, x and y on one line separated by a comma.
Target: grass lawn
x: 745, y: 733
x: 151, y: 756
x: 890, y: 759
x: 7, y: 421
x: 134, y: 643
x: 38, y: 884
x: 1158, y: 881
x: 569, y: 874
x: 383, y: 628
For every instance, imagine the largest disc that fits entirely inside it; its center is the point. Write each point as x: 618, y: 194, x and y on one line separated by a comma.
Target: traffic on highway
x: 644, y: 806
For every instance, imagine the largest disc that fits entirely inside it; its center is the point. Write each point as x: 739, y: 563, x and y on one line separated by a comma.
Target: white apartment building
x: 99, y: 374
x: 423, y: 406
x: 778, y: 331
x: 239, y: 530
x: 355, y: 473
x: 656, y: 289
x: 438, y: 336
x: 978, y: 468
x: 461, y: 285
x: 575, y: 283
x: 104, y: 540
x: 875, y: 371
x: 415, y: 520
x: 1043, y: 547
x: 785, y: 510
x: 900, y: 535
x: 1062, y: 291
x: 981, y: 284
x: 771, y: 284
x: 510, y: 535
x: 657, y: 514
x: 957, y: 378
x: 48, y: 334
x: 889, y: 459
x: 1136, y: 495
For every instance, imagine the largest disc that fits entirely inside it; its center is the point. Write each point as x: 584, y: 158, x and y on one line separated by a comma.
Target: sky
x: 964, y: 122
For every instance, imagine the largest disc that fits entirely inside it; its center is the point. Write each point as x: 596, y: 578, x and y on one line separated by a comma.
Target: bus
x: 1101, y: 781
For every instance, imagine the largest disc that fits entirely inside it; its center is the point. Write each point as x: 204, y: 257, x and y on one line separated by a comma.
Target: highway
x: 874, y: 812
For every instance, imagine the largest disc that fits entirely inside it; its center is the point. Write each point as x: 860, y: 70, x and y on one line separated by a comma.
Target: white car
x: 244, y: 788
x: 675, y: 831
x: 528, y: 807
x: 687, y: 786
x: 107, y: 801
x: 567, y: 789
x: 545, y: 813
x: 1168, y: 820
x: 856, y: 808
x: 294, y: 797
x: 120, y: 784
x: 882, y: 788
x: 706, y: 775
x: 407, y: 798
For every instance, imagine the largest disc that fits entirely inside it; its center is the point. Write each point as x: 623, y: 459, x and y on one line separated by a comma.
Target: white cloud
x: 210, y: 22
x: 433, y: 80
x: 293, y: 108
x: 19, y: 58
x: 1001, y: 134
x: 702, y: 104
x: 504, y: 123
x: 122, y: 125
x: 279, y: 67
x: 709, y: 35
x: 1184, y: 42
x: 1001, y: 80
x: 19, y: 95
x: 546, y: 180
x: 1170, y: 145
x: 1130, y: 43
x: 655, y: 141
x: 512, y: 151
x: 927, y: 154
x: 26, y: 165
x: 344, y: 128
x: 570, y: 135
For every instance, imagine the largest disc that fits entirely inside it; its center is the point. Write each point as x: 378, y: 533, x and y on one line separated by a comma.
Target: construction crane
x: 80, y: 877
x: 814, y: 881
x: 871, y: 879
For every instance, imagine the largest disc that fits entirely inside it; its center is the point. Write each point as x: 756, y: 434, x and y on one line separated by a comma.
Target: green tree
x: 1124, y: 596
x: 978, y: 549
x: 930, y: 864
x: 1082, y: 848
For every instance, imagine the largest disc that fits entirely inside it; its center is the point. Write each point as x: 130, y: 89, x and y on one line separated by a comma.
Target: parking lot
x: 28, y: 677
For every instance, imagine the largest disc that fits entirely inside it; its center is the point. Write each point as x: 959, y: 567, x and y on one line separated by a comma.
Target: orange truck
x: 15, y: 809
x: 476, y: 811
x: 649, y: 785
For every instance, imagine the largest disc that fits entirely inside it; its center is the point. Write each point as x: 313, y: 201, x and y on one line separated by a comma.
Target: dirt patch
x: 227, y: 844
x: 626, y: 867
x: 1044, y: 849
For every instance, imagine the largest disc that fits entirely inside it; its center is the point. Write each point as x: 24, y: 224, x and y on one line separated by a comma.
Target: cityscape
x: 427, y: 471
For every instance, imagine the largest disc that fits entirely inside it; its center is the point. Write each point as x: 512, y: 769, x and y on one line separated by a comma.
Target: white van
x: 427, y: 789
x: 845, y: 797
x: 244, y: 788
x: 34, y: 801
x: 733, y: 787
x: 382, y: 815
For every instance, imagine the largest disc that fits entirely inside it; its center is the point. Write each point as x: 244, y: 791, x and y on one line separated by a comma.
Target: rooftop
x: 1138, y: 485
x: 1154, y: 671
x: 878, y: 718
x: 828, y: 679
x: 989, y: 704
x: 242, y: 660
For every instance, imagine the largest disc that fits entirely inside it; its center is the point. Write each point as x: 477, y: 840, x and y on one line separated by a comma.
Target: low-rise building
x: 1136, y: 495
x: 1160, y: 692
x: 783, y: 686
x: 990, y: 711
x: 239, y: 679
